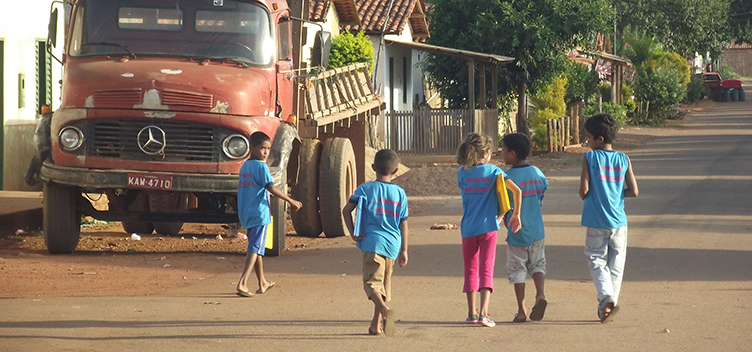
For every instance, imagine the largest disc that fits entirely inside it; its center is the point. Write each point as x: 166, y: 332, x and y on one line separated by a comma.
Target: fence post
x: 549, y: 125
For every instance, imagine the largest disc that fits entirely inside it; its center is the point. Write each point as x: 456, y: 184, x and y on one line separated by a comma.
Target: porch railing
x: 437, y: 131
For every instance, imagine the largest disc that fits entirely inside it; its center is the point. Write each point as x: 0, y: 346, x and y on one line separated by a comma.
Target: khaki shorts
x: 377, y: 275
x: 522, y: 261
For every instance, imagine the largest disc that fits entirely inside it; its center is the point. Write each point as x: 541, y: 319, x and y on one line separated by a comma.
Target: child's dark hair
x: 602, y: 125
x: 473, y: 149
x: 517, y: 143
x: 385, y: 162
x: 257, y: 138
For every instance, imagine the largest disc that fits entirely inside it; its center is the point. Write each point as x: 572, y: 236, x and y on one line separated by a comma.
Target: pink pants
x: 479, y: 254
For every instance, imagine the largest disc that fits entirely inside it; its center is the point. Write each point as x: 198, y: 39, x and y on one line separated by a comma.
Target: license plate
x: 150, y: 181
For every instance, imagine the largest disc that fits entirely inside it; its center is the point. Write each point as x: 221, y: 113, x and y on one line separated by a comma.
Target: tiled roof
x: 739, y: 45
x: 348, y: 14
x: 374, y: 12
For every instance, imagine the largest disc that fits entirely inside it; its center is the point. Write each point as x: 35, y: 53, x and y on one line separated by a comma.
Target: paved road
x: 688, y: 282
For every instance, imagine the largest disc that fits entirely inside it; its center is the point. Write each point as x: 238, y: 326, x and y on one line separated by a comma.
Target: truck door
x: 285, y: 73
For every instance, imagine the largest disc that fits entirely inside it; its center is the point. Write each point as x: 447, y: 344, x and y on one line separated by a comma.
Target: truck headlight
x: 235, y: 146
x: 71, y: 138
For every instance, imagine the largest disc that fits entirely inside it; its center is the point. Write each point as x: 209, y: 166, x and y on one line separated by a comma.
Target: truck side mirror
x: 52, y: 30
x: 321, y: 48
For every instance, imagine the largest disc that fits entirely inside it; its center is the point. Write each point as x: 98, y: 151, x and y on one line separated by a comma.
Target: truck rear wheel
x: 168, y: 203
x: 141, y: 205
x: 307, y: 220
x: 337, y: 182
x: 61, y: 219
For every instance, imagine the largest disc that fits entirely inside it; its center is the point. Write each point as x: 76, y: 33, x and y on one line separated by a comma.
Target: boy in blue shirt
x: 526, y: 247
x: 606, y: 178
x: 254, y: 184
x: 382, y: 235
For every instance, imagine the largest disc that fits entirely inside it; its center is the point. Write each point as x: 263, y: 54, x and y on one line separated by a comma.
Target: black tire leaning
x: 167, y: 203
x: 141, y: 205
x: 307, y: 220
x: 61, y: 219
x: 337, y: 182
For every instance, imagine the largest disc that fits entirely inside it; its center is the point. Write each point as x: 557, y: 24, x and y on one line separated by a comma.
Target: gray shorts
x: 524, y: 260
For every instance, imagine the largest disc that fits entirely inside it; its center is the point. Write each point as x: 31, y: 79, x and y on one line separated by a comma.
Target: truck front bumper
x: 95, y: 178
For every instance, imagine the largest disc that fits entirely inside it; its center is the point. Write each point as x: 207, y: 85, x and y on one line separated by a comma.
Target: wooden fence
x: 437, y: 131
x: 565, y: 131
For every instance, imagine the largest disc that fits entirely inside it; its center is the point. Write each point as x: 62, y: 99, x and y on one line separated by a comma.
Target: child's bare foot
x: 264, y: 288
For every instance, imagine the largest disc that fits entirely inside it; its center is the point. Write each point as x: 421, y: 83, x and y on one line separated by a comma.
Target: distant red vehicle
x: 723, y: 90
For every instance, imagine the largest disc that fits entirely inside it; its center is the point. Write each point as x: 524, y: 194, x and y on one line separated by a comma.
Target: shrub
x: 657, y: 89
x: 348, y: 49
x: 604, y: 88
x: 727, y: 72
x: 581, y: 83
x: 550, y: 102
x: 627, y: 98
x: 696, y: 90
x: 619, y: 112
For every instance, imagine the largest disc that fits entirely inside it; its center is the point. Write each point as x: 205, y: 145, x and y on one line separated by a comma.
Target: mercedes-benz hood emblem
x: 151, y: 140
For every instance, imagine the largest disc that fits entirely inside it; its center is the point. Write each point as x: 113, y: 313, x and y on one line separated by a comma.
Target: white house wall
x: 22, y: 24
x: 395, y: 96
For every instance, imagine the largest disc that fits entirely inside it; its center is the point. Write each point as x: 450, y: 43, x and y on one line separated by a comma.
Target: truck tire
x: 734, y: 95
x: 278, y: 210
x: 307, y: 220
x: 742, y: 95
x: 61, y: 219
x: 337, y: 182
x: 167, y: 203
x: 141, y: 205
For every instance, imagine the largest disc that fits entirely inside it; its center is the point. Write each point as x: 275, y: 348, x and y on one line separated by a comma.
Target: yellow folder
x: 269, y: 233
x: 502, y: 196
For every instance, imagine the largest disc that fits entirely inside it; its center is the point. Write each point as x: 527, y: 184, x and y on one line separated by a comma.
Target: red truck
x: 723, y: 90
x: 158, y: 103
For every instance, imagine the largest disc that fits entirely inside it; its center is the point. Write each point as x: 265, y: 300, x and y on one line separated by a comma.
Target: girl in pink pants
x: 479, y: 223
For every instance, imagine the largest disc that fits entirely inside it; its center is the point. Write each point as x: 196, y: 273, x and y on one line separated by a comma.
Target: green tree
x: 740, y: 20
x: 348, y: 49
x: 683, y: 26
x: 534, y: 32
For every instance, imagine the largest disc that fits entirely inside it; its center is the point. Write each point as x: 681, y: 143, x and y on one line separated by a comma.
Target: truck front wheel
x: 61, y: 219
x: 307, y: 221
x: 337, y: 182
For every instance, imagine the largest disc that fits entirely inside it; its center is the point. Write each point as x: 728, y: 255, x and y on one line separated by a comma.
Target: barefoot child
x: 607, y: 177
x: 253, y: 210
x: 479, y: 224
x: 382, y: 235
x: 525, y: 249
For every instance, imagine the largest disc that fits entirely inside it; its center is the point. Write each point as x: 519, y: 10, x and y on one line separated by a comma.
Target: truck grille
x: 184, y: 141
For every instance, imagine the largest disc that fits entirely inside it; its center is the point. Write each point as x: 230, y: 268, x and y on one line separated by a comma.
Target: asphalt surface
x: 687, y: 285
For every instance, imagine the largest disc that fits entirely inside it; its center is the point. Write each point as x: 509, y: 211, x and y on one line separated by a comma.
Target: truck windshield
x: 198, y: 29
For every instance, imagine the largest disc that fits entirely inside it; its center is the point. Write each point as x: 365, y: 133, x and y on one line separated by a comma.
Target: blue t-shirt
x: 385, y: 207
x: 603, y: 207
x: 533, y: 184
x: 479, y: 202
x: 253, y: 199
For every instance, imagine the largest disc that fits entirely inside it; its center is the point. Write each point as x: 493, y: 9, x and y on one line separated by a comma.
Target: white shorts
x: 524, y: 260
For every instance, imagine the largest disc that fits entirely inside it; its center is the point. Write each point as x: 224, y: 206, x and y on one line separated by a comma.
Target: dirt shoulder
x: 108, y: 262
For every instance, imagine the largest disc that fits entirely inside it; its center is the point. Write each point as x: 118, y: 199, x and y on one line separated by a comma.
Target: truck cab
x: 158, y: 102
